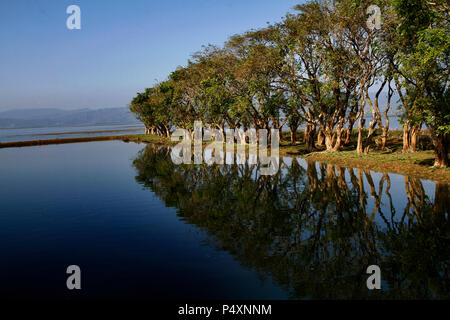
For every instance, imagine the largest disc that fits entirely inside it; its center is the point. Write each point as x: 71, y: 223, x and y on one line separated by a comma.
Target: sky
x: 121, y: 48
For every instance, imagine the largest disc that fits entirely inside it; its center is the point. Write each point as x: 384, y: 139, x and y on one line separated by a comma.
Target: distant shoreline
x: 30, y: 143
x: 75, y: 126
x: 126, y: 138
x: 80, y: 132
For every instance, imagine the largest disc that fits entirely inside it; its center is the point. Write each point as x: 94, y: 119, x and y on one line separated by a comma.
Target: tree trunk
x: 222, y: 132
x: 348, y: 135
x: 411, y: 135
x: 406, y: 140
x: 385, y: 129
x: 414, y: 138
x: 328, y: 141
x: 415, y: 135
x: 359, y: 145
x: 306, y: 133
x: 384, y: 134
x: 293, y: 135
x: 320, y: 138
x: 440, y: 142
x: 369, y: 137
x: 310, y: 132
x: 338, y: 142
x: 293, y: 126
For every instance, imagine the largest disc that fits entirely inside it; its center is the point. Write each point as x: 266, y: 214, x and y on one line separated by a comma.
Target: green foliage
x: 424, y: 61
x: 314, y: 66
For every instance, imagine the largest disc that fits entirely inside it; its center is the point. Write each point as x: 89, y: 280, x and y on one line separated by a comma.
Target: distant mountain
x: 48, y: 117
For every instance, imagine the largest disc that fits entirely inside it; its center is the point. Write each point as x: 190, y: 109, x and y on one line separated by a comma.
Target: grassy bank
x: 417, y: 164
x: 127, y: 138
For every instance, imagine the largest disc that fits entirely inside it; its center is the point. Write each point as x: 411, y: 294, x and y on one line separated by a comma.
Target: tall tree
x: 424, y: 57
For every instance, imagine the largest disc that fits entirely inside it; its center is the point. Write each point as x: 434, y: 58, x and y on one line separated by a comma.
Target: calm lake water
x: 44, y: 133
x: 140, y: 226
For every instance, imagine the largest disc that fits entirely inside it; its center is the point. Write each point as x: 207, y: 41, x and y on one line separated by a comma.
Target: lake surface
x: 44, y: 133
x: 140, y: 226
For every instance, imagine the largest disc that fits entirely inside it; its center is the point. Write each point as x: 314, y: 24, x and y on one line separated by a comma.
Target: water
x: 140, y: 226
x: 44, y: 133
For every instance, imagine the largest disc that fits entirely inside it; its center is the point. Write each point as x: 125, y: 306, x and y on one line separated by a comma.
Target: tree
x: 257, y: 73
x: 323, y: 70
x: 424, y: 58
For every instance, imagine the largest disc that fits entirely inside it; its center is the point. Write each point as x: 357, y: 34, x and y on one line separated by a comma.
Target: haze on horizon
x: 122, y: 47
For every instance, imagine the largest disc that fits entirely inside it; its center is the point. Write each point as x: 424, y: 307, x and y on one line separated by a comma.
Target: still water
x: 44, y: 133
x: 140, y: 227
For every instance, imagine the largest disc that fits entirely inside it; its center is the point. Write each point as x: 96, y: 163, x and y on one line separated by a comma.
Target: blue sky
x: 122, y: 47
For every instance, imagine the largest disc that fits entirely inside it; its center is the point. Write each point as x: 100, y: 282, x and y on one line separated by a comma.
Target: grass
x: 392, y: 159
x: 147, y: 138
x: 416, y: 164
x: 126, y: 138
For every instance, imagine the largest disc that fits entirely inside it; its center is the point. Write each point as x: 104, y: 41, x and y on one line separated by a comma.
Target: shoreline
x: 417, y: 164
x: 126, y: 138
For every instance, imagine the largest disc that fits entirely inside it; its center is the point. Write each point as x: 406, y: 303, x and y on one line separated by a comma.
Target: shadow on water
x: 314, y: 227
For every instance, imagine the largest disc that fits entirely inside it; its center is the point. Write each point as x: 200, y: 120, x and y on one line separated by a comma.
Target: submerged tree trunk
x: 441, y: 198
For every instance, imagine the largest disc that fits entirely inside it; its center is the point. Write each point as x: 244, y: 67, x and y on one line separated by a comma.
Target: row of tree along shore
x: 318, y: 67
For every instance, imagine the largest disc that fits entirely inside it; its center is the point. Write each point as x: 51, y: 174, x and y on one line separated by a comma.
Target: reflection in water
x: 314, y: 228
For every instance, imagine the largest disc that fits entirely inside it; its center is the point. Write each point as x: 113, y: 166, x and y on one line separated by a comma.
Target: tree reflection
x: 314, y: 228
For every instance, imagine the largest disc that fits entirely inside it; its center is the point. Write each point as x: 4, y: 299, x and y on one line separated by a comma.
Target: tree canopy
x: 318, y: 66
